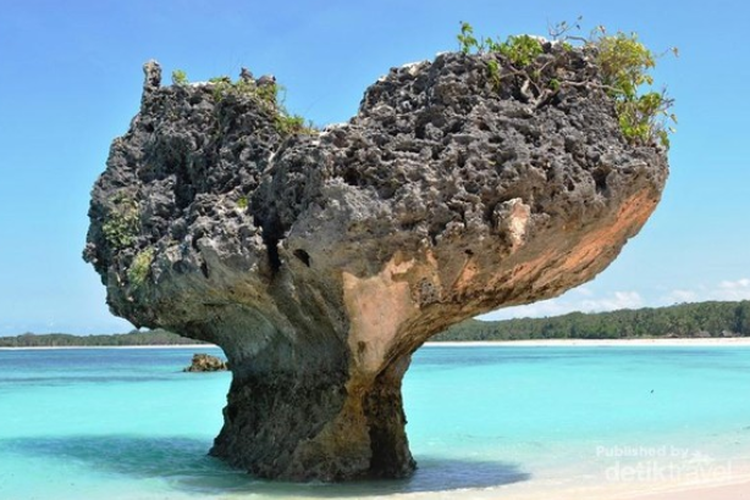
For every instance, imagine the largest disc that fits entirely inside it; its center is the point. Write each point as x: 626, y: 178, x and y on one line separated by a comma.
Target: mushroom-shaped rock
x: 320, y: 261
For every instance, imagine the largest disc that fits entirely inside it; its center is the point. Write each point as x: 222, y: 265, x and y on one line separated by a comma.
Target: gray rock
x: 152, y: 74
x: 246, y: 75
x: 321, y: 262
x: 206, y: 363
x: 266, y: 80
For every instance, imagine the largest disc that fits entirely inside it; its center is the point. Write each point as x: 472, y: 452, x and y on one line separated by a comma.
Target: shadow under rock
x: 183, y: 464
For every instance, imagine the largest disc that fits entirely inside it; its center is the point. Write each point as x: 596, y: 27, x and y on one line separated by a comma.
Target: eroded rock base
x: 325, y: 427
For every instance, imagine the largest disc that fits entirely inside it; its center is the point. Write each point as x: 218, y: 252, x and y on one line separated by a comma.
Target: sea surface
x: 489, y: 422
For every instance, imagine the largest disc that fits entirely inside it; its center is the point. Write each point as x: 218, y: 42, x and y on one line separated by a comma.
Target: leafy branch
x: 521, y: 50
x: 624, y: 65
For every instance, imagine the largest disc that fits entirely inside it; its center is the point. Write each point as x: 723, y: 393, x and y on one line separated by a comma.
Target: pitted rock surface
x: 321, y: 261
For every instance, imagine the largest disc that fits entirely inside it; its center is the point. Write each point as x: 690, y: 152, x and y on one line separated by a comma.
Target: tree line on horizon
x: 156, y: 337
x: 696, y: 320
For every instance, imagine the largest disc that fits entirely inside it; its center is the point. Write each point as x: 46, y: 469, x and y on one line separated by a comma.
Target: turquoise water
x: 128, y: 424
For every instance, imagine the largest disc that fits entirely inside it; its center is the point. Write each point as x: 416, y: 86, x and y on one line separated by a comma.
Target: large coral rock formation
x: 321, y: 261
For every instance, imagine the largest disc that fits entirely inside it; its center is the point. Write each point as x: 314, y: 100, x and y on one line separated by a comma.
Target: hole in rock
x: 303, y: 256
x: 351, y: 177
x: 600, y: 179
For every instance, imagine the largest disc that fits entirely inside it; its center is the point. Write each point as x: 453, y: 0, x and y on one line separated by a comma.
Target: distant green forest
x: 134, y: 338
x: 699, y: 320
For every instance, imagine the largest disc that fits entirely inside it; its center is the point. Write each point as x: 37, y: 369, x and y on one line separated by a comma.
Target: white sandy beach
x: 735, y: 488
x: 737, y: 491
x: 682, y: 342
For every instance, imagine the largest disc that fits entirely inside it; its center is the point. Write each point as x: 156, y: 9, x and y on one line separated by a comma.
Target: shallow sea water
x: 483, y: 422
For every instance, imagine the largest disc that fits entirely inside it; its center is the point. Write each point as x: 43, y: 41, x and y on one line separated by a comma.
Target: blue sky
x: 70, y: 80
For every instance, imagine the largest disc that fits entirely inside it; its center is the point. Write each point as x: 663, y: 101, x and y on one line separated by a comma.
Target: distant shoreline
x: 673, y: 342
x: 73, y: 347
x: 679, y: 342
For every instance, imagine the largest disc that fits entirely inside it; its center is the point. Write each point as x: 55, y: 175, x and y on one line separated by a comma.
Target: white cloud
x: 580, y: 299
x: 583, y: 299
x: 679, y: 296
x: 725, y: 290
x: 617, y: 300
x: 741, y: 284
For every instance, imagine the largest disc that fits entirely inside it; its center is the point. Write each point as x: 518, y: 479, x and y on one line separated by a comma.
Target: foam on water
x: 128, y: 424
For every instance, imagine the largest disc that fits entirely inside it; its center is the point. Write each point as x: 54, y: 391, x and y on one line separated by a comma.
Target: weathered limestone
x: 320, y: 262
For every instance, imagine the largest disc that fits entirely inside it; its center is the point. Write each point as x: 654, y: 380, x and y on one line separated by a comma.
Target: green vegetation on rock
x: 223, y: 86
x: 623, y: 61
x: 123, y: 223
x: 179, y: 77
x: 520, y: 50
x: 291, y: 124
x: 140, y: 267
x: 269, y: 95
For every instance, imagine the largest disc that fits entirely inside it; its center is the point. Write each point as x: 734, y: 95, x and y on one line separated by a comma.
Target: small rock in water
x: 206, y: 363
